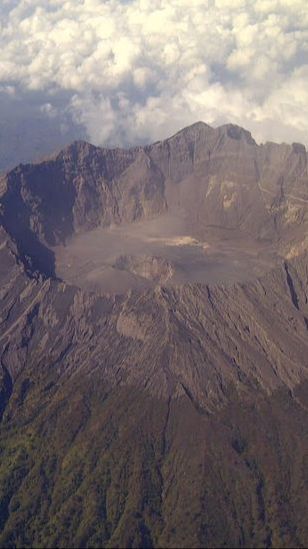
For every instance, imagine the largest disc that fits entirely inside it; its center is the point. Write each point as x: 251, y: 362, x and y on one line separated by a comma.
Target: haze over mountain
x: 29, y: 133
x: 153, y: 344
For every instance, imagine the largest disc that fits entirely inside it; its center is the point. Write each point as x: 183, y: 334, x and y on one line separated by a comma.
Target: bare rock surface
x: 182, y: 244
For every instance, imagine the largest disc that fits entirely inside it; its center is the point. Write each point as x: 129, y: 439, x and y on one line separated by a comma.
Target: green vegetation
x: 94, y: 469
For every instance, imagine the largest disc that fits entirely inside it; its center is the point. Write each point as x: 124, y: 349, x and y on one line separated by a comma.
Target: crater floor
x: 160, y: 251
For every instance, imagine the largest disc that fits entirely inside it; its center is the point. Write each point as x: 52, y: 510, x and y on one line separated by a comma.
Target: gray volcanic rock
x: 217, y: 177
x: 247, y: 336
x: 169, y: 415
x: 152, y: 268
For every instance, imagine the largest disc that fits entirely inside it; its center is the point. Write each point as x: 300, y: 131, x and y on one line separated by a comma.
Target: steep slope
x: 165, y: 416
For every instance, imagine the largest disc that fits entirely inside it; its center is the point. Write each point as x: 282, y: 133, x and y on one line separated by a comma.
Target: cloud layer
x: 138, y: 70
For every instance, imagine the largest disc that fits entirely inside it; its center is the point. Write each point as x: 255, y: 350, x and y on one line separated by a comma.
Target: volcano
x: 153, y: 345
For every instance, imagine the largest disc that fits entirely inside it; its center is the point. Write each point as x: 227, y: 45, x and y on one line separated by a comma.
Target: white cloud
x: 141, y: 69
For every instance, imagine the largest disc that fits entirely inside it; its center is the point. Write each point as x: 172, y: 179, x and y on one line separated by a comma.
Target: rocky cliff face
x: 217, y: 177
x: 165, y: 416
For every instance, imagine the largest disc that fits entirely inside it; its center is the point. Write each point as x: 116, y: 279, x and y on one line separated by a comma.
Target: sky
x: 125, y: 72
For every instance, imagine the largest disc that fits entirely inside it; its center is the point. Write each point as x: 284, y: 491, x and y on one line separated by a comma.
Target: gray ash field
x: 160, y: 251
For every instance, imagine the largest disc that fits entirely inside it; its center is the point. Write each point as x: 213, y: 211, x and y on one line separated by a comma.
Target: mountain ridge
x: 104, y: 188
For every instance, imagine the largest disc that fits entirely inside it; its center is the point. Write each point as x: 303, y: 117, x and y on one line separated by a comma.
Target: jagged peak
x: 197, y: 131
x: 78, y: 146
x: 299, y: 148
x: 193, y: 130
x: 234, y: 131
